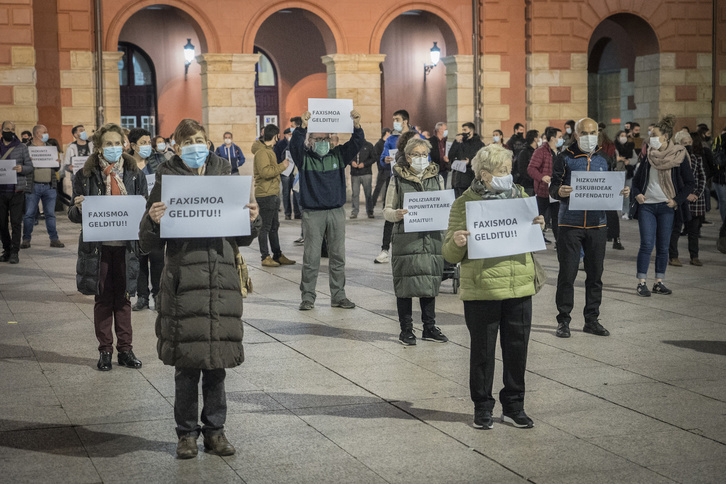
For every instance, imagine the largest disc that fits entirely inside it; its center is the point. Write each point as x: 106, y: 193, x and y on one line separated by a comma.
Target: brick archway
x: 594, y: 12
x: 385, y: 20
x: 248, y: 40
x: 207, y: 33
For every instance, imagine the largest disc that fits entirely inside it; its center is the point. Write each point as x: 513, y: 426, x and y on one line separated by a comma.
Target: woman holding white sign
x: 416, y: 259
x: 199, y: 326
x: 108, y: 270
x: 497, y: 294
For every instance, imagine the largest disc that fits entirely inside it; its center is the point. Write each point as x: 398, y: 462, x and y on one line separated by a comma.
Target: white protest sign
x: 77, y: 163
x: 8, y: 175
x: 459, y: 165
x: 115, y: 217
x: 296, y: 183
x: 288, y: 155
x: 330, y: 115
x: 44, y: 156
x: 205, y: 206
x: 501, y: 228
x: 150, y: 181
x: 427, y: 211
x: 448, y: 147
x: 597, y: 190
x: 392, y: 154
x: 289, y: 169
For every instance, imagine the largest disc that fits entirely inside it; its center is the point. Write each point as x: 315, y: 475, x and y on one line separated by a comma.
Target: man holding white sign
x: 46, y: 163
x: 330, y: 115
x: 497, y: 280
x: 12, y: 194
x: 581, y: 229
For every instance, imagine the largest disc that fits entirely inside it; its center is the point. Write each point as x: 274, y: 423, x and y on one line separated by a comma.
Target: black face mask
x: 465, y: 136
x: 636, y: 135
x: 8, y: 136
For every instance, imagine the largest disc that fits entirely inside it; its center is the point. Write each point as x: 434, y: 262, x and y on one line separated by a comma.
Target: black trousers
x: 405, y: 311
x: 186, y: 401
x: 551, y: 210
x: 569, y: 243
x: 12, y: 209
x: 512, y: 318
x: 382, y: 181
x: 387, y: 234
x: 269, y: 211
x: 458, y: 191
x: 693, y: 227
x: 613, y: 224
x: 155, y: 259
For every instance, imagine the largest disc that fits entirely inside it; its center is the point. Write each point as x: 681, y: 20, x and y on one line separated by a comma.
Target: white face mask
x: 446, y: 133
x: 568, y: 130
x: 227, y: 141
x: 495, y: 139
x: 655, y: 143
x: 539, y: 142
x: 419, y: 163
x: 588, y: 143
x: 623, y: 140
x: 502, y: 183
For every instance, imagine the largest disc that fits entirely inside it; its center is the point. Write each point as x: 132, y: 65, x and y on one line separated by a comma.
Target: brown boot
x: 282, y: 260
x: 675, y: 262
x: 696, y: 262
x: 218, y: 444
x: 268, y: 262
x: 186, y: 448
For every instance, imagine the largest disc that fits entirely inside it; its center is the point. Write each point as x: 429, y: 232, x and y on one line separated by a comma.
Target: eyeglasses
x: 418, y: 155
x: 321, y: 139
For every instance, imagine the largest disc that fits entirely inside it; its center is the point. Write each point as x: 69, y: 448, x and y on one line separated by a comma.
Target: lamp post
x: 188, y: 56
x: 435, y: 53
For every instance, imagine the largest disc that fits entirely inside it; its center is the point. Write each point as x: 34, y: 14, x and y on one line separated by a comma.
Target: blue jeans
x: 655, y: 221
x: 721, y: 194
x: 47, y: 194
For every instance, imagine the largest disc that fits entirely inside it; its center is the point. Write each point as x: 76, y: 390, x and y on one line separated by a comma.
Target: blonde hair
x: 681, y: 137
x: 490, y: 158
x: 414, y: 143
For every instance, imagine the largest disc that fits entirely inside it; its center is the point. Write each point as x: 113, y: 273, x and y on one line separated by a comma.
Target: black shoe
x: 547, y: 241
x: 483, y: 419
x: 187, y: 448
x: 617, y: 245
x: 370, y: 215
x: 659, y: 288
x: 128, y: 359
x: 57, y: 243
x: 104, y: 362
x: 432, y: 333
x: 306, y: 306
x: 13, y: 258
x: 141, y: 303
x: 563, y: 330
x: 594, y: 327
x: 344, y: 303
x: 721, y: 244
x: 25, y: 244
x: 5, y: 257
x: 518, y: 419
x: 288, y: 217
x: 218, y: 444
x: 643, y: 290
x: 407, y: 338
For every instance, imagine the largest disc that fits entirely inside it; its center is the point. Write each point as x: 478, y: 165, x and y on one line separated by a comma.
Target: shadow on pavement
x: 9, y: 351
x: 711, y: 347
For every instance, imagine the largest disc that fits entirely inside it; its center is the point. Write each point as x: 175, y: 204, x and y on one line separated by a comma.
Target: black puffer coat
x: 199, y: 304
x: 91, y: 182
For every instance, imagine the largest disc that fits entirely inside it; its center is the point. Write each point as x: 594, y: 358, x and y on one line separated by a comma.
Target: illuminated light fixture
x: 188, y: 56
x: 435, y: 57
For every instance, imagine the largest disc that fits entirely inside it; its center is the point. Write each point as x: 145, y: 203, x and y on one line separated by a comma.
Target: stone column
x: 556, y: 89
x: 111, y: 87
x: 459, y: 91
x: 493, y: 79
x: 18, y: 93
x: 358, y: 77
x: 228, y: 99
x: 80, y: 79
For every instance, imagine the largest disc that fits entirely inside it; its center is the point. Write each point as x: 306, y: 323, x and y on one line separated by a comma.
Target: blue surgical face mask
x: 84, y: 136
x: 144, y: 151
x: 446, y: 133
x: 495, y: 139
x: 560, y: 142
x: 397, y: 126
x: 45, y: 138
x: 112, y: 153
x: 160, y: 146
x: 322, y: 148
x: 194, y: 156
x: 173, y: 142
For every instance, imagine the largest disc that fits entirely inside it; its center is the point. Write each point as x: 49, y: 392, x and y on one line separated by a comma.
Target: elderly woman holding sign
x: 416, y: 259
x: 497, y: 295
x: 199, y: 306
x: 108, y: 270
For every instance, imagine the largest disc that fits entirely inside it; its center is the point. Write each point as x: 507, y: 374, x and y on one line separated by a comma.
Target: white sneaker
x: 382, y: 257
x: 626, y: 216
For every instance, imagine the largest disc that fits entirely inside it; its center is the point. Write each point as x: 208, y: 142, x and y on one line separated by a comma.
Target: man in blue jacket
x: 322, y: 197
x: 584, y: 230
x: 231, y: 152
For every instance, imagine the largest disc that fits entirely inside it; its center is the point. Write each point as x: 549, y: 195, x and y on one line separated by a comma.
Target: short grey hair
x: 682, y: 137
x: 414, y: 143
x: 439, y: 125
x: 490, y: 158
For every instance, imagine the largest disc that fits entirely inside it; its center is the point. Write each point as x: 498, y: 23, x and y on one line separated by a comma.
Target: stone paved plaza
x: 330, y: 396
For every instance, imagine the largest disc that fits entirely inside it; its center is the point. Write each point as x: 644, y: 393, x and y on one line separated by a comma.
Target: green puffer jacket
x: 199, y: 304
x: 416, y: 260
x: 492, y: 279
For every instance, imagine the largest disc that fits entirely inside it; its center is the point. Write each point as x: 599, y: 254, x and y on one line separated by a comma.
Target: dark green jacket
x: 416, y: 259
x: 90, y: 181
x: 493, y: 279
x: 199, y: 304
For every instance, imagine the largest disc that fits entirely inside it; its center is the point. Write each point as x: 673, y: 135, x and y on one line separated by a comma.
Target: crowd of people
x: 670, y: 178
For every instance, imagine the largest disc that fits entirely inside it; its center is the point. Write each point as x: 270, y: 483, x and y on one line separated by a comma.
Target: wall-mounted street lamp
x: 435, y: 56
x: 188, y: 56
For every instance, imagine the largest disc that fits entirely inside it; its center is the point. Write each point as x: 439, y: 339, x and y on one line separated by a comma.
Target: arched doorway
x: 137, y: 81
x: 161, y: 32
x: 623, y: 72
x: 403, y: 84
x: 267, y: 96
x: 297, y: 66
